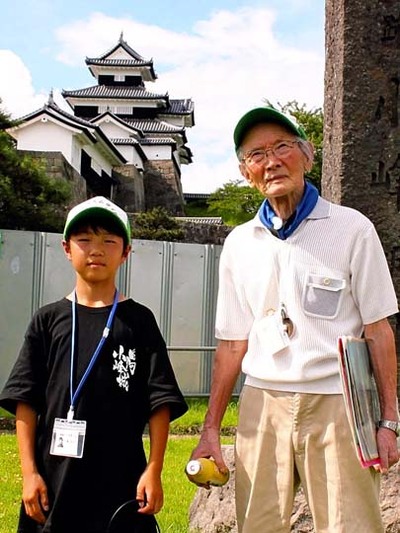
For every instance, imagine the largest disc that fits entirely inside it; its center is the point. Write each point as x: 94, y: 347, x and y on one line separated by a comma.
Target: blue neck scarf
x: 304, y: 208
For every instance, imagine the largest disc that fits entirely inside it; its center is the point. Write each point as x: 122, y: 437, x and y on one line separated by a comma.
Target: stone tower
x: 361, y: 165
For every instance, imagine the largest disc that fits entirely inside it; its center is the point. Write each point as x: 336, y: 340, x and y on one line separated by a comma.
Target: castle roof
x: 148, y: 125
x: 122, y: 56
x: 93, y: 132
x: 53, y: 109
x: 115, y: 92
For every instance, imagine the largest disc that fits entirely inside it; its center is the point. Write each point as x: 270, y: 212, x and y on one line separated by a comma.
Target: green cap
x: 98, y: 206
x: 261, y: 115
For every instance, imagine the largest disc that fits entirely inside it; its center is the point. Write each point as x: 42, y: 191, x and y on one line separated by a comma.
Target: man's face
x: 276, y: 175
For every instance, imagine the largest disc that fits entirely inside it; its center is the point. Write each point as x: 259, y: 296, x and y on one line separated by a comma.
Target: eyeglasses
x: 259, y: 156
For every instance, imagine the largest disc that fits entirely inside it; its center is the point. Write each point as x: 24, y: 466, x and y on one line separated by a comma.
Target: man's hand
x: 387, y: 449
x: 210, y: 446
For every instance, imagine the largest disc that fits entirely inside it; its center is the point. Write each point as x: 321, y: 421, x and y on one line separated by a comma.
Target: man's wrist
x: 393, y: 425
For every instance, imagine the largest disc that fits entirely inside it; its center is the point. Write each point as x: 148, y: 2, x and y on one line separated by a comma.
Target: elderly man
x: 302, y: 273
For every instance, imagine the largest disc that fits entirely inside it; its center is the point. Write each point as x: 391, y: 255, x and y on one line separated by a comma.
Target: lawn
x: 178, y: 491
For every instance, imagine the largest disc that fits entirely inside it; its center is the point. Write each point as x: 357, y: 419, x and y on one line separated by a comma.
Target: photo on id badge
x: 68, y: 438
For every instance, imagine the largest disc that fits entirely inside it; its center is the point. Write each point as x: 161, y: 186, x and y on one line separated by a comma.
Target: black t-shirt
x: 131, y: 377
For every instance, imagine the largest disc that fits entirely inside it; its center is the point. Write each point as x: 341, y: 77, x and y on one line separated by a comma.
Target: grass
x: 178, y: 491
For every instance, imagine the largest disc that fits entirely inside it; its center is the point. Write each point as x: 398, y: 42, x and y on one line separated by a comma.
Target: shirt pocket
x: 322, y: 295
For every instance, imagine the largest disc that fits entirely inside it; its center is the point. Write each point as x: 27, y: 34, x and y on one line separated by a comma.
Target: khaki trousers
x: 284, y: 439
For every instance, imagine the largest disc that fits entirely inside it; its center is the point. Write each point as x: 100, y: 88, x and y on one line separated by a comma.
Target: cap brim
x: 263, y: 115
x: 95, y: 211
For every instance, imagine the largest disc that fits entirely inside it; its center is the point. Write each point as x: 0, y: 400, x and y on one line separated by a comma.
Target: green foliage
x: 196, y: 210
x: 157, y: 224
x: 5, y: 120
x: 312, y: 122
x: 10, y: 483
x: 235, y: 203
x: 29, y: 199
x: 192, y: 421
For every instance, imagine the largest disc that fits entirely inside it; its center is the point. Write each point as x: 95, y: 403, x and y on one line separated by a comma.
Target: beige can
x: 205, y: 471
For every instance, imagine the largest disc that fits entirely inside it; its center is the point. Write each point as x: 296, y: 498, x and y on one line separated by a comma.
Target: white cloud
x: 17, y: 94
x: 16, y: 89
x: 226, y: 64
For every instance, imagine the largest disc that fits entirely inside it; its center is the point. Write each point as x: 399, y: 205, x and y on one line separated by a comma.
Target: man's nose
x: 271, y: 160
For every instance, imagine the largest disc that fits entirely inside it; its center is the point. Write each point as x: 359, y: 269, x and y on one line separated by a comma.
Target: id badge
x: 272, y: 333
x: 68, y: 438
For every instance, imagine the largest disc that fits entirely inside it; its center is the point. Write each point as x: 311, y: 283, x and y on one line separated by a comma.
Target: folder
x: 361, y: 398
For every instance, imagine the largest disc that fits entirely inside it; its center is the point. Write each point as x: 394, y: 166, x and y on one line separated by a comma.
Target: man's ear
x: 310, y: 152
x: 245, y: 173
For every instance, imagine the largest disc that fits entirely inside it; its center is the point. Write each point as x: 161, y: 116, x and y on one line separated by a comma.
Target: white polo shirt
x: 332, y: 276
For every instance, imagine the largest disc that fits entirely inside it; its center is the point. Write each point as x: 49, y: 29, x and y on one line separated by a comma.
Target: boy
x: 92, y: 372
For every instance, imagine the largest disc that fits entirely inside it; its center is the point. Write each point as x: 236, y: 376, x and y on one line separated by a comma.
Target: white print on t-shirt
x: 125, y: 366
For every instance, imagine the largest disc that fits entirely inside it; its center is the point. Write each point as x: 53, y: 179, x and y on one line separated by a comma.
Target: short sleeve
x: 26, y: 382
x: 371, y: 281
x: 234, y: 318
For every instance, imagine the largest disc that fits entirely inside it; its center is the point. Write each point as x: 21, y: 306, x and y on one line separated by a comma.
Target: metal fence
x: 177, y: 281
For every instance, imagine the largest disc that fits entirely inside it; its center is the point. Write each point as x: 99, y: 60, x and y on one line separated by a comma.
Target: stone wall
x: 205, y: 233
x: 129, y: 190
x: 159, y: 186
x: 163, y: 187
x: 57, y: 167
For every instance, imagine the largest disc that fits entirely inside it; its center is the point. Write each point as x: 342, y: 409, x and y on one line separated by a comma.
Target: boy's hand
x: 34, y: 496
x: 149, y: 492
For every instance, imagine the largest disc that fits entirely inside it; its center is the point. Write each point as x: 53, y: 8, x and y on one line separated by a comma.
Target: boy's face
x: 96, y: 255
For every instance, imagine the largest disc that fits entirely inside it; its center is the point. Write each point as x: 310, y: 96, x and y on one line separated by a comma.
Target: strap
x: 126, y: 518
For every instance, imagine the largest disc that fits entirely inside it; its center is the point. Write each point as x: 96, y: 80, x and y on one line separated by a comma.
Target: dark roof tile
x: 106, y: 91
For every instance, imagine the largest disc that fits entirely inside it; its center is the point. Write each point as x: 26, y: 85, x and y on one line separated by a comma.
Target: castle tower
x: 149, y: 129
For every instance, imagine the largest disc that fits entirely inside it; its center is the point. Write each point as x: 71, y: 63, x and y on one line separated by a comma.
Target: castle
x: 122, y: 141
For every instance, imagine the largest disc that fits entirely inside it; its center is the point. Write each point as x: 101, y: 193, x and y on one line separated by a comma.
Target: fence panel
x: 18, y: 260
x: 177, y: 281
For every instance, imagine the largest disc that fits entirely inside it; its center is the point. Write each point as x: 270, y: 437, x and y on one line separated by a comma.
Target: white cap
x: 193, y: 467
x: 99, y: 205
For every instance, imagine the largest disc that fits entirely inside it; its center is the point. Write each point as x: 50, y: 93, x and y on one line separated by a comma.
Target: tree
x: 157, y: 224
x: 29, y: 199
x: 235, y: 203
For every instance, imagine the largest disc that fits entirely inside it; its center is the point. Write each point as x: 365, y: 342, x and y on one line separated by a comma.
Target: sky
x: 228, y: 56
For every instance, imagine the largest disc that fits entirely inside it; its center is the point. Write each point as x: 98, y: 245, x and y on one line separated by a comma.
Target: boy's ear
x: 67, y: 248
x: 126, y: 252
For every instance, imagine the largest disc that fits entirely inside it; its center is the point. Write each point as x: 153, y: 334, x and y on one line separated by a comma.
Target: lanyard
x: 106, y: 331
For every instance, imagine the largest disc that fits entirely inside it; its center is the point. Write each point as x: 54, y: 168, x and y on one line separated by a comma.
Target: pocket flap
x: 326, y: 282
